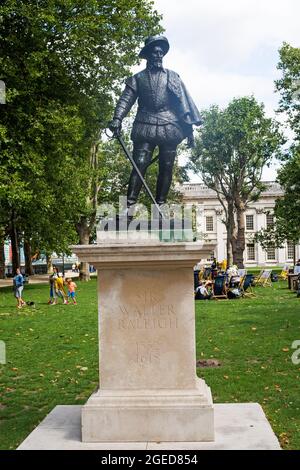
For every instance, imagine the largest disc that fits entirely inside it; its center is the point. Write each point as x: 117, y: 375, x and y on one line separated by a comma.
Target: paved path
x: 39, y: 279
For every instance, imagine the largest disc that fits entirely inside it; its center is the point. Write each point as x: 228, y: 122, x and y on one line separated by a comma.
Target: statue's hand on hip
x: 115, y: 126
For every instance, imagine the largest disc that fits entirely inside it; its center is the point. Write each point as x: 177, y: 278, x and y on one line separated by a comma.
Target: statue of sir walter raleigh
x: 165, y: 117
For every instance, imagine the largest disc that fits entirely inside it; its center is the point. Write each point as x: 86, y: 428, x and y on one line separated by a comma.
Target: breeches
x: 142, y: 155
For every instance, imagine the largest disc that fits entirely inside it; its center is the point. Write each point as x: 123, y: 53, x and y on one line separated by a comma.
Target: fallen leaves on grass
x: 284, y: 439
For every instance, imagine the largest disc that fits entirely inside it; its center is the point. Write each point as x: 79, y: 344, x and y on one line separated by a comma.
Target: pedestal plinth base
x: 149, y: 415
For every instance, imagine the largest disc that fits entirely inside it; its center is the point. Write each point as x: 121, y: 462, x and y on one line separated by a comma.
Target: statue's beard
x: 155, y: 64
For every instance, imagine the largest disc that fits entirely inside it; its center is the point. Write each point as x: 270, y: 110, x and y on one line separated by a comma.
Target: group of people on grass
x: 59, y: 288
x: 206, y: 277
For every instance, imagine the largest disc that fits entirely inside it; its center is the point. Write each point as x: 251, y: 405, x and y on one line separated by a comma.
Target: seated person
x: 234, y: 281
x: 297, y: 267
x: 214, y: 264
x: 202, y: 293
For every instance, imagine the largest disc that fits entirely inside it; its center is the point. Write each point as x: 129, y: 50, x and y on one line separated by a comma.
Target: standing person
x: 18, y: 288
x: 52, y: 278
x: 214, y: 268
x: 59, y: 288
x: 71, y: 290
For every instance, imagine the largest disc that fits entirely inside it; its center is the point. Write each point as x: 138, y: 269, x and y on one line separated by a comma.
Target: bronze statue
x: 165, y: 117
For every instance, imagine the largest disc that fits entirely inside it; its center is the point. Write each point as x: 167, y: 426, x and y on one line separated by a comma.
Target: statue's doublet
x: 165, y: 110
x: 156, y: 104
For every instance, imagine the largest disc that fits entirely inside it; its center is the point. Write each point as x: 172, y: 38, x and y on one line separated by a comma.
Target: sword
x: 130, y: 158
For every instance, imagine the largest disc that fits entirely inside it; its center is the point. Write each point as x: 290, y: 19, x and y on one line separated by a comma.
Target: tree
x: 62, y: 64
x: 211, y: 158
x: 289, y: 86
x: 232, y: 148
x: 287, y: 214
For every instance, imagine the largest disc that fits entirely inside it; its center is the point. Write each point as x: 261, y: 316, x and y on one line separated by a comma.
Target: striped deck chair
x: 284, y: 273
x: 219, y: 288
x: 256, y: 279
x: 246, y: 286
x: 265, y: 279
x: 242, y: 272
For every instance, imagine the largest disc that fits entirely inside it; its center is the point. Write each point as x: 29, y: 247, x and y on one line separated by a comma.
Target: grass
x: 252, y: 339
x: 52, y: 356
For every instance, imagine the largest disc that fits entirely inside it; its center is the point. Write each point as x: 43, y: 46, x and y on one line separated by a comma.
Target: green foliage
x: 233, y: 146
x: 61, y: 63
x: 289, y: 86
x: 287, y: 208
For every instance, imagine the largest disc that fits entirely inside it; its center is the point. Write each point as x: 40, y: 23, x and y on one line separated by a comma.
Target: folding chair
x: 219, y: 288
x: 257, y: 278
x: 284, y: 273
x: 265, y: 279
x: 242, y: 272
x: 201, y: 275
x: 246, y: 286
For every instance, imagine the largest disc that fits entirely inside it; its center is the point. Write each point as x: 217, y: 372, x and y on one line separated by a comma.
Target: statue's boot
x: 142, y: 157
x: 166, y: 163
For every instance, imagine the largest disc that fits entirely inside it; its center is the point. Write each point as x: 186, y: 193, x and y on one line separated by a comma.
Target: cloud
x: 227, y: 48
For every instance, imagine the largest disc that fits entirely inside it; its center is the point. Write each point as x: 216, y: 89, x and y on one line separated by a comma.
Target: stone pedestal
x: 148, y: 385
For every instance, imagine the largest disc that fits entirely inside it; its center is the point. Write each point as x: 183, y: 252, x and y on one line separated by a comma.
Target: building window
x: 209, y: 223
x: 270, y: 220
x: 249, y: 222
x: 290, y: 250
x: 271, y: 253
x: 250, y: 252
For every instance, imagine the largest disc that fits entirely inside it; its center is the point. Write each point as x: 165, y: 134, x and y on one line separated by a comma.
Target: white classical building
x: 258, y: 215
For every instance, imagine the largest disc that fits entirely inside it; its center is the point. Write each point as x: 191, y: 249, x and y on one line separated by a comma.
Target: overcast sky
x: 228, y: 48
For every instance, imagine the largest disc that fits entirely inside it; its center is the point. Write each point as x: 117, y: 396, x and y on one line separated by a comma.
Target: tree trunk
x: 15, y: 250
x: 240, y: 240
x: 49, y: 264
x: 83, y: 230
x: 228, y: 250
x: 28, y: 258
x: 2, y: 259
x: 85, y: 225
x: 230, y: 233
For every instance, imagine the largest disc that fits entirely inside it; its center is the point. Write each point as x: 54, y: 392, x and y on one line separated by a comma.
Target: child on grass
x: 60, y: 289
x: 71, y: 290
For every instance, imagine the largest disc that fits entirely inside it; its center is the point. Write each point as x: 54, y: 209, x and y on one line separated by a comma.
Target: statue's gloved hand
x: 190, y: 142
x: 115, y: 126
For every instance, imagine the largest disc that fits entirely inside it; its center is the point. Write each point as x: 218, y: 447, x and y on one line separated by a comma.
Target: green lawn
x: 52, y: 356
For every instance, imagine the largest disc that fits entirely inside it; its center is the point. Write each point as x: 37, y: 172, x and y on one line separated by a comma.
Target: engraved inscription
x: 148, y: 323
x: 147, y: 312
x: 147, y: 353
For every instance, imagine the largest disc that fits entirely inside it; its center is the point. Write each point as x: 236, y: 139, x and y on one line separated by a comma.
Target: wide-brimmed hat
x: 154, y: 41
